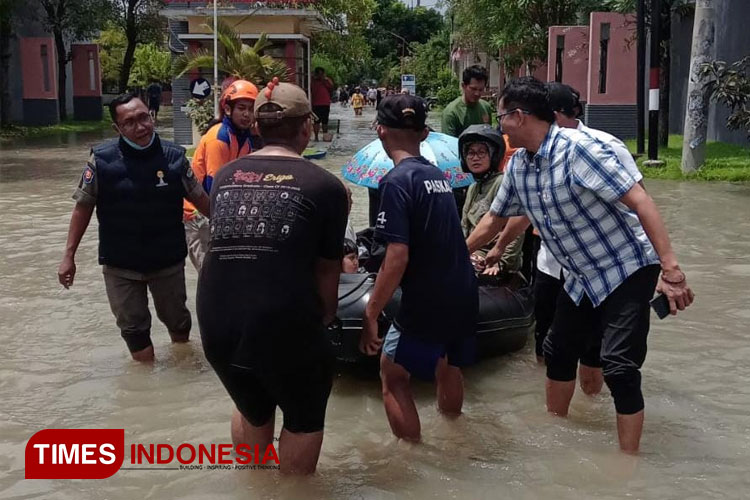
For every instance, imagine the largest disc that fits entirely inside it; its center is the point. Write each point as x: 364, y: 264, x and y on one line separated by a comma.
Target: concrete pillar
x: 87, y: 82
x: 39, y: 77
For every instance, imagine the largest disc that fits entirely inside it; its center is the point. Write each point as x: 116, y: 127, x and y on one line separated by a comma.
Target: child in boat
x: 350, y: 262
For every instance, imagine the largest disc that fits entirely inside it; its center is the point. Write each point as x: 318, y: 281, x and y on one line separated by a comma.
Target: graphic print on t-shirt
x: 258, y: 208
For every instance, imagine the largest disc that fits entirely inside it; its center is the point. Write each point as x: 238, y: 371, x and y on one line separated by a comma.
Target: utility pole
x: 641, y: 77
x: 216, y: 63
x: 653, y: 90
x: 403, y: 49
x: 696, y: 109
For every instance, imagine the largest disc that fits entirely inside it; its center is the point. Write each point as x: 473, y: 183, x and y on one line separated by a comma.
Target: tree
x: 141, y: 22
x: 112, y: 45
x: 729, y: 84
x: 696, y: 114
x: 150, y: 64
x: 70, y: 20
x: 345, y: 56
x: 392, y: 30
x: 8, y: 9
x: 516, y: 29
x: 238, y: 60
x: 429, y: 62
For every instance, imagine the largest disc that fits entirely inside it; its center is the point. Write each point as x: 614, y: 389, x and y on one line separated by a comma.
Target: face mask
x: 136, y: 146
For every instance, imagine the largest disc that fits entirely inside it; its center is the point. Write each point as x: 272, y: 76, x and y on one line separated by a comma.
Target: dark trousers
x: 620, y: 324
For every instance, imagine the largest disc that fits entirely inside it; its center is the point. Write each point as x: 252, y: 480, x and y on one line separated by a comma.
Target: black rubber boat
x: 506, y: 317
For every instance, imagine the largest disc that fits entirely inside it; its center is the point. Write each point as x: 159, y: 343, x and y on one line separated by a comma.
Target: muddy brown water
x: 65, y: 366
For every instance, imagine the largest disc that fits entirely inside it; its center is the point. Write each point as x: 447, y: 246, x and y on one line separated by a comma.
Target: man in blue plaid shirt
x: 605, y: 231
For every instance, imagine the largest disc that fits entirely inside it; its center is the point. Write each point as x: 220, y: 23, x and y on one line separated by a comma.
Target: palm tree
x: 238, y: 60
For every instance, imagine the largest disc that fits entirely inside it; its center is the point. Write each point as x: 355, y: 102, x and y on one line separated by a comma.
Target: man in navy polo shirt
x: 433, y: 333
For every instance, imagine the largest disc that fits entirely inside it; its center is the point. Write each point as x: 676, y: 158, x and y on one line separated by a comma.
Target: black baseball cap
x: 402, y: 111
x: 565, y: 99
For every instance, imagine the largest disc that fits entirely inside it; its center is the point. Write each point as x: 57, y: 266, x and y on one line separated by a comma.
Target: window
x: 92, y: 71
x: 603, y: 49
x: 45, y: 67
x: 559, y: 55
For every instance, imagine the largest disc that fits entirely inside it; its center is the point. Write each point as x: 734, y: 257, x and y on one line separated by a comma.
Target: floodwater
x: 65, y: 366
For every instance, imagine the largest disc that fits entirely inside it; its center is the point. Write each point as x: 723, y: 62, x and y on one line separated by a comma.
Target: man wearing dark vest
x: 137, y: 183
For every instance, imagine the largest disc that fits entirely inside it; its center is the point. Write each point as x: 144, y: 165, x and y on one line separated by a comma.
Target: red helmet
x: 238, y: 89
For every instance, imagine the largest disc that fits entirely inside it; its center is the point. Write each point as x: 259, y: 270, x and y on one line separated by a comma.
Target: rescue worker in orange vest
x: 225, y: 141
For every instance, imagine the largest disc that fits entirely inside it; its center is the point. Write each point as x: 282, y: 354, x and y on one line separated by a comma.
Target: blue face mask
x: 136, y: 146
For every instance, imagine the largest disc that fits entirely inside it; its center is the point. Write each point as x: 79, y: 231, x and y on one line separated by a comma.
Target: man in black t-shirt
x: 270, y: 279
x: 433, y: 333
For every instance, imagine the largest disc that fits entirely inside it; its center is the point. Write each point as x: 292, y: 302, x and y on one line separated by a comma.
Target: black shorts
x: 617, y: 328
x: 322, y: 113
x: 153, y: 104
x: 297, y: 380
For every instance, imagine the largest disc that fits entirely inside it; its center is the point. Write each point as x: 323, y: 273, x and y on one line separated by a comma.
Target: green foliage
x: 393, y: 31
x: 151, y: 64
x: 201, y: 111
x: 111, y: 51
x: 346, y: 16
x: 515, y: 28
x: 73, y: 19
x: 729, y: 84
x: 142, y: 18
x: 429, y: 62
x: 13, y: 132
x: 518, y: 29
x: 448, y: 93
x: 238, y: 60
x: 369, y: 45
x: 150, y: 61
x: 393, y: 17
x: 345, y: 57
x: 724, y: 162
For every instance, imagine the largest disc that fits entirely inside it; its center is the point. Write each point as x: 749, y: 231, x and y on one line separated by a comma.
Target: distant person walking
x: 153, y: 93
x: 358, y: 102
x: 320, y: 90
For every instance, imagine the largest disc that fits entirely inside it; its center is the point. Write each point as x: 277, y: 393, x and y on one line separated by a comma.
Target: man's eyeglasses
x: 500, y: 116
x: 131, y: 123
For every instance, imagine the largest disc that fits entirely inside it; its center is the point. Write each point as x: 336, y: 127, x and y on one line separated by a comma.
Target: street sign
x: 200, y: 88
x: 409, y: 82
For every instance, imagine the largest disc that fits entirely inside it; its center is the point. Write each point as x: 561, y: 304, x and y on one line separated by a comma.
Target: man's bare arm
x: 389, y: 277
x: 79, y: 221
x: 675, y: 288
x: 327, y: 272
x: 489, y: 226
